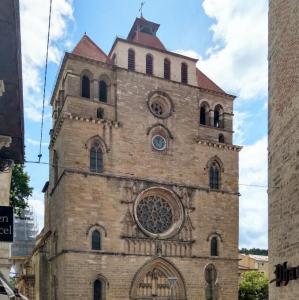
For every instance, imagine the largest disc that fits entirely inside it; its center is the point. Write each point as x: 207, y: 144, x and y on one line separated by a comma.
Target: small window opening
x: 100, y: 113
x: 214, y: 176
x: 214, y: 246
x: 103, y: 93
x: 218, y: 117
x: 166, y: 68
x: 97, y: 290
x: 149, y: 64
x: 85, y: 87
x: 131, y: 60
x: 184, y: 73
x: 96, y: 159
x: 96, y: 240
x: 221, y: 138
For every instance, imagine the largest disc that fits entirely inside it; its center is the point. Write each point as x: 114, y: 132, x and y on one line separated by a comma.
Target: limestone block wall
x: 283, y: 142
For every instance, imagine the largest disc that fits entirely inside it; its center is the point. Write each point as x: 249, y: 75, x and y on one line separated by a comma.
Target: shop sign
x: 6, y: 224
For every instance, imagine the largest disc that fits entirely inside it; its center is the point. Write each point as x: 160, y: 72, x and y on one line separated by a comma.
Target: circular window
x: 159, y: 142
x: 154, y: 214
x: 160, y: 104
x: 158, y: 212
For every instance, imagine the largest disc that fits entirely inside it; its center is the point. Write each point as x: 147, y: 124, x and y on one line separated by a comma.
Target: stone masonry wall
x: 283, y: 142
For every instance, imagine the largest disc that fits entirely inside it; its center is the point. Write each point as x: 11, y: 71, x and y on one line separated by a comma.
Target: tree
x: 19, y: 189
x: 255, y: 251
x: 253, y: 286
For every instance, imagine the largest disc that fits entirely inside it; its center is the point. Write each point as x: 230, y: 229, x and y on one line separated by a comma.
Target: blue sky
x: 230, y: 39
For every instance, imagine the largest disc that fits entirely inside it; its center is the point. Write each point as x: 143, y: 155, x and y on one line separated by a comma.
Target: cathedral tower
x: 142, y: 201
x: 284, y: 148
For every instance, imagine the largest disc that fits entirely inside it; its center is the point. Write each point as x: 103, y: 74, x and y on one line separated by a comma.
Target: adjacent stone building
x: 11, y: 109
x: 284, y: 149
x: 142, y: 200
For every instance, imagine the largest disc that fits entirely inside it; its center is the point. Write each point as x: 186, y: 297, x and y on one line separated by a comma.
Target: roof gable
x: 87, y: 48
x: 205, y: 82
x: 148, y: 40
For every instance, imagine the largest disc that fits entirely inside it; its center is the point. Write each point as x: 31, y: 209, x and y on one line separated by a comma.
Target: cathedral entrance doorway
x: 158, y: 280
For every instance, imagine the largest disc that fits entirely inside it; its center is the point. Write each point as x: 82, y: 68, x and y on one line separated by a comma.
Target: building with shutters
x: 142, y: 200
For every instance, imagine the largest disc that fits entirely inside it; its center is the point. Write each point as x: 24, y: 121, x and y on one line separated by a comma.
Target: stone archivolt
x: 152, y: 281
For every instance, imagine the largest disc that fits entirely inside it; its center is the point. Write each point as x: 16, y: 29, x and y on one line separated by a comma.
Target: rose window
x: 155, y: 214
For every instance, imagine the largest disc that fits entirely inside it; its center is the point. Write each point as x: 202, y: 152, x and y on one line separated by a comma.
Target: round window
x: 154, y: 214
x: 160, y: 104
x: 158, y: 212
x: 159, y: 142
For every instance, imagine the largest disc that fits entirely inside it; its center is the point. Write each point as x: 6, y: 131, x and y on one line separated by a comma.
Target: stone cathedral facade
x: 142, y: 200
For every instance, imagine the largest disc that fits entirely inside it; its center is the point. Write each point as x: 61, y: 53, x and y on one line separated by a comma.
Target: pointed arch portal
x: 151, y: 282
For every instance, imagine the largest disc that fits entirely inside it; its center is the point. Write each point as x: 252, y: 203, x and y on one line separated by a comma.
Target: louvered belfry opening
x: 149, y: 64
x: 131, y: 60
x: 184, y: 73
x: 166, y: 68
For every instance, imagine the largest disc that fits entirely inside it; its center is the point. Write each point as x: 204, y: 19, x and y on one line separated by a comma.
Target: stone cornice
x: 223, y: 146
x: 143, y: 179
x: 112, y: 253
x: 69, y: 116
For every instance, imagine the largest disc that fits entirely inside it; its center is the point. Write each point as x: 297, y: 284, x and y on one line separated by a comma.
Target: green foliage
x: 253, y: 286
x: 20, y: 189
x: 255, y: 251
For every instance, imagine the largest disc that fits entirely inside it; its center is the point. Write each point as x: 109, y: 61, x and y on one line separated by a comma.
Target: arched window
x: 214, y: 176
x: 98, y: 290
x: 85, y: 88
x: 166, y: 68
x: 96, y: 159
x: 221, y: 138
x: 55, y: 166
x: 214, y: 246
x: 149, y: 64
x: 204, y: 114
x: 184, y: 73
x: 103, y: 92
x: 131, y: 60
x: 218, y: 117
x: 96, y: 240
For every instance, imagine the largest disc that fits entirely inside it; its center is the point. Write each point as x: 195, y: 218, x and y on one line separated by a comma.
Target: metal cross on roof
x: 141, y: 7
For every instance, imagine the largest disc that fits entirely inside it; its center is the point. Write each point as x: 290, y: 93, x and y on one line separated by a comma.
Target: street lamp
x: 172, y: 282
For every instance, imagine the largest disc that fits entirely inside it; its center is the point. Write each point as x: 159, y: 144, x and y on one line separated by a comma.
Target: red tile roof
x: 87, y: 48
x: 148, y: 40
x: 205, y: 82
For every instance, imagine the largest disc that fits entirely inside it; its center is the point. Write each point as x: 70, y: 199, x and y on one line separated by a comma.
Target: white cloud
x: 34, y: 27
x: 36, y: 202
x: 238, y: 59
x: 253, y: 188
x: 35, y: 142
x: 241, y: 118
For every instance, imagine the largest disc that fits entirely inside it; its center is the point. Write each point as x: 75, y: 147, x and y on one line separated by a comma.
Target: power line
x: 45, y: 83
x: 83, y: 169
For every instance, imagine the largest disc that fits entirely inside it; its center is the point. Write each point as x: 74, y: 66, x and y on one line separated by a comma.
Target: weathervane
x: 141, y: 7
